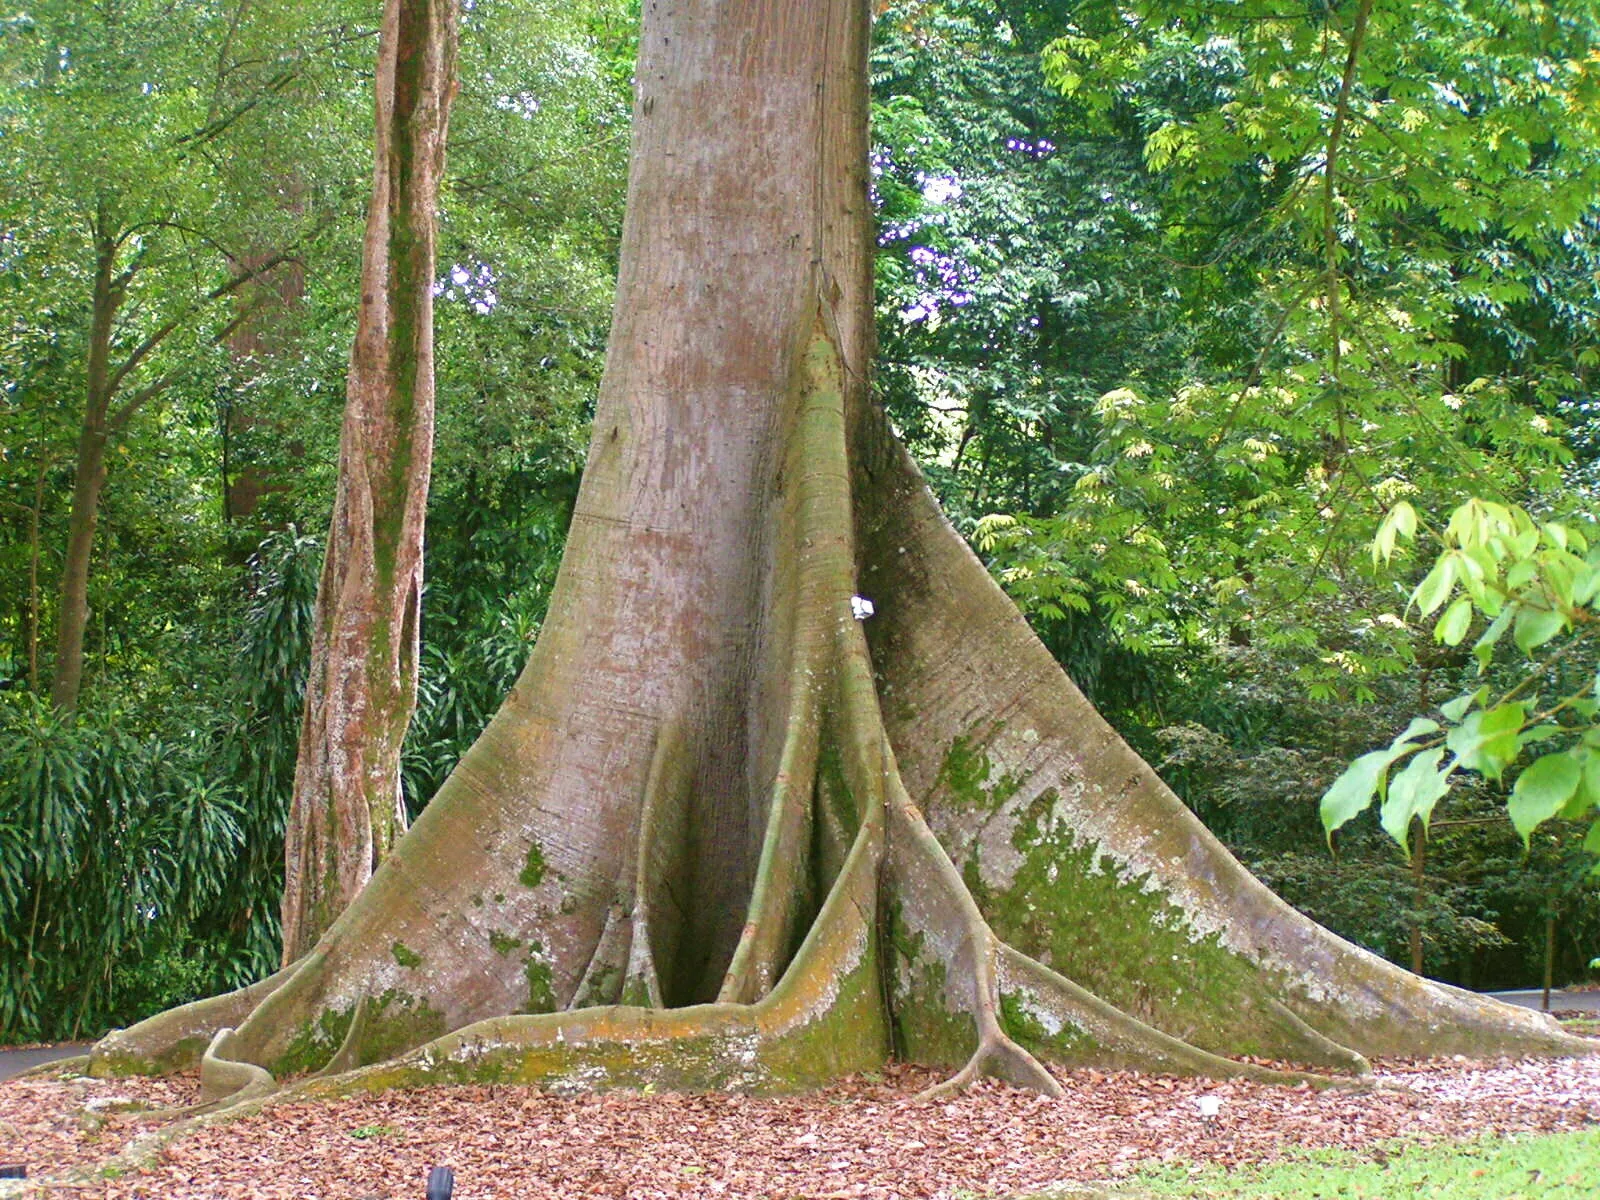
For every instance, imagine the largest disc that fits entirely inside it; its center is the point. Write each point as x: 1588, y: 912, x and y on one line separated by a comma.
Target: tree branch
x: 229, y: 286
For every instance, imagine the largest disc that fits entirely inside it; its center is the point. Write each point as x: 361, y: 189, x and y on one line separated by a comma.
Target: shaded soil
x: 860, y: 1138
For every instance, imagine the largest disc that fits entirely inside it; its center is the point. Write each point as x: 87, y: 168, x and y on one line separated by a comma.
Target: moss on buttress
x: 503, y: 943
x: 395, y: 1023
x: 924, y: 1027
x: 1028, y: 1022
x: 1110, y: 931
x: 536, y: 971
x: 966, y: 771
x: 181, y: 1055
x: 314, y: 1043
x: 533, y: 867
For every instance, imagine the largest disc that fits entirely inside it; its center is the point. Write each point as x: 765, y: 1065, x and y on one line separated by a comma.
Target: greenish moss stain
x: 532, y: 867
x: 965, y: 774
x: 541, y: 992
x: 397, y: 1022
x: 925, y: 1030
x: 849, y: 1036
x: 314, y: 1043
x: 405, y: 955
x: 503, y: 944
x: 835, y: 787
x: 1068, y: 1044
x: 182, y: 1055
x: 1133, y: 947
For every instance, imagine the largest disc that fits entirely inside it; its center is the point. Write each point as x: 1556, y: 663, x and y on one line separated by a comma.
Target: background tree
x: 198, y: 650
x: 122, y: 173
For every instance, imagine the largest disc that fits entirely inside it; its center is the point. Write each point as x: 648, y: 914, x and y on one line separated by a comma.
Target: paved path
x: 15, y: 1062
x: 1559, y: 1001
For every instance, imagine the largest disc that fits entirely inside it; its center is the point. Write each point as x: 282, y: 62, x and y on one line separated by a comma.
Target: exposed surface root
x: 176, y: 1039
x: 225, y: 1080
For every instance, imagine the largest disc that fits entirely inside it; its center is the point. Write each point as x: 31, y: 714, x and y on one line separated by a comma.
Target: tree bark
x: 723, y: 833
x: 348, y: 809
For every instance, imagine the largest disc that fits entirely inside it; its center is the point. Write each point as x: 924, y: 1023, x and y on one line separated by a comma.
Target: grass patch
x: 1558, y: 1166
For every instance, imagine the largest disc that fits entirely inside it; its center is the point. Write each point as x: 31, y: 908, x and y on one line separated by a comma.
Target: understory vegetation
x: 1176, y: 302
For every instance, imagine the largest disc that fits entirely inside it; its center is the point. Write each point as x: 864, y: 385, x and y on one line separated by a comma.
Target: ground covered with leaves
x: 861, y: 1138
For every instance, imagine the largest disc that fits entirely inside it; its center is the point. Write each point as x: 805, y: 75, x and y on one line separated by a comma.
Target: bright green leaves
x: 1365, y: 778
x: 1543, y: 790
x: 1521, y: 575
x: 1486, y: 741
x: 1452, y: 627
x: 1537, y: 580
x: 1399, y: 522
x: 1536, y: 626
x: 1413, y: 792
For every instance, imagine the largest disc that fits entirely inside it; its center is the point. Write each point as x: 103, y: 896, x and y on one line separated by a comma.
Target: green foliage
x: 110, y: 845
x: 1361, y: 257
x: 212, y: 138
x: 141, y: 847
x: 1539, y: 581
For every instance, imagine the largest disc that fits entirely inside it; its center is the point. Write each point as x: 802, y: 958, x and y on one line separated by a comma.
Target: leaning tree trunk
x: 724, y: 834
x: 348, y: 810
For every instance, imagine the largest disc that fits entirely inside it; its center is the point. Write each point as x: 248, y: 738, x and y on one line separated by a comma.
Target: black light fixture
x: 18, y: 1171
x: 441, y: 1182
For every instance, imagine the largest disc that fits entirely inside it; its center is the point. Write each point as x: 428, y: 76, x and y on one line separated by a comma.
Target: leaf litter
x: 862, y: 1137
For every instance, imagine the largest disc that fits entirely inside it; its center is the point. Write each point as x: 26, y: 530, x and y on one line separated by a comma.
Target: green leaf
x: 1483, y: 648
x: 1591, y: 840
x: 1455, y: 709
x: 1353, y: 791
x: 1419, y: 727
x: 1435, y: 587
x: 1542, y: 791
x: 1536, y: 626
x: 1486, y: 741
x: 1587, y: 795
x: 1413, y: 793
x: 1453, y: 626
x: 1585, y: 583
x: 1400, y: 522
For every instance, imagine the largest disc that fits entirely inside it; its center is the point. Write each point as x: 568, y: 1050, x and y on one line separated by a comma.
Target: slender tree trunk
x: 1419, y: 890
x: 88, y: 479
x: 35, y: 552
x: 729, y: 829
x: 348, y: 809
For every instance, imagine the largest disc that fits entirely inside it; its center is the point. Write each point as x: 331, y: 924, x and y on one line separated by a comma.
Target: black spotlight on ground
x: 441, y: 1182
x: 18, y: 1171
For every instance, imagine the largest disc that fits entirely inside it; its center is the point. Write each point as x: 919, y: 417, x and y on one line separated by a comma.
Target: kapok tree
x: 725, y: 834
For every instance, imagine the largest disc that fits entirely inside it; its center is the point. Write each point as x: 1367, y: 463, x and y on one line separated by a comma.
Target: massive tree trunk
x: 348, y: 810
x: 723, y: 833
